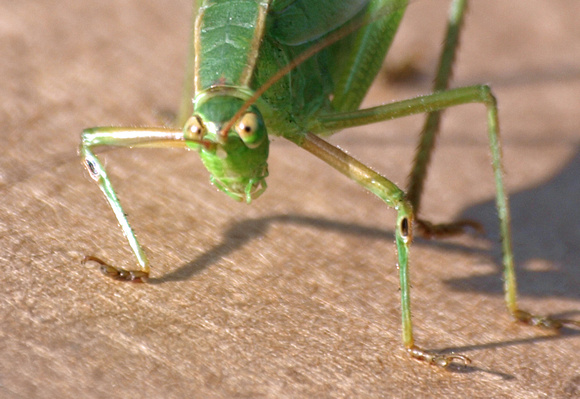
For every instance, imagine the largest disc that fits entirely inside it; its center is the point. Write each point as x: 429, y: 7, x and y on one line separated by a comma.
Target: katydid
x: 268, y: 67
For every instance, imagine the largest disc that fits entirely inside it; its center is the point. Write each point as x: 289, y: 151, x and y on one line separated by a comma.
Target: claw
x: 429, y: 230
x: 134, y: 276
x: 436, y: 359
x: 543, y: 321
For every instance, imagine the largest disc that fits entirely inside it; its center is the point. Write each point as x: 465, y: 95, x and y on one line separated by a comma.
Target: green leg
x: 123, y: 137
x: 362, y: 55
x: 431, y: 126
x: 395, y: 198
x: 426, y: 104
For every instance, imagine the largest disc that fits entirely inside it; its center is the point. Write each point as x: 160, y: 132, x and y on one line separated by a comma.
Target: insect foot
x: 436, y: 359
x: 429, y: 230
x: 134, y: 276
x: 543, y: 321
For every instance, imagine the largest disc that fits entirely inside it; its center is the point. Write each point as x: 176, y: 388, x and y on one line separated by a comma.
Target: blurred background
x: 297, y: 294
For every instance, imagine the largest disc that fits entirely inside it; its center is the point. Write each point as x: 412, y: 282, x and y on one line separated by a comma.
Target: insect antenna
x: 332, y: 38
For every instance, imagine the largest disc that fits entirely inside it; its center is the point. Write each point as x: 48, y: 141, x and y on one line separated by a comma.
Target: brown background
x: 296, y: 295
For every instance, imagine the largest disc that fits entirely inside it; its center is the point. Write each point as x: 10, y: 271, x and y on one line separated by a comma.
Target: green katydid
x: 260, y: 67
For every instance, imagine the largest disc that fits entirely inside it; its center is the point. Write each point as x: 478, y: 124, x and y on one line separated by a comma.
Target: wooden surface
x: 297, y: 294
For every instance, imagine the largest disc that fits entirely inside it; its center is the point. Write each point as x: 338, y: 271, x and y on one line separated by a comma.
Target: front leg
x: 123, y: 137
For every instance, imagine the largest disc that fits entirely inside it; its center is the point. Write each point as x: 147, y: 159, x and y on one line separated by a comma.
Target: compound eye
x: 194, y: 129
x: 247, y: 128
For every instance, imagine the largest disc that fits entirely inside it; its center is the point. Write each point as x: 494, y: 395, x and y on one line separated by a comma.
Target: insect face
x: 236, y: 159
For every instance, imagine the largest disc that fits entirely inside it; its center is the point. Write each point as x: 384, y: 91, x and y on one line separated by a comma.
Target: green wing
x: 294, y: 22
